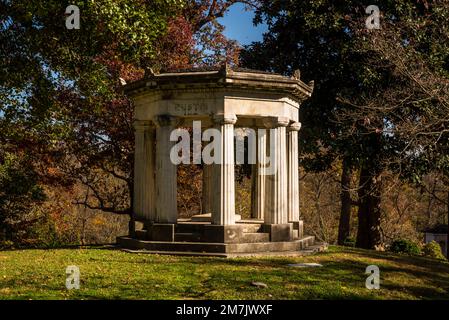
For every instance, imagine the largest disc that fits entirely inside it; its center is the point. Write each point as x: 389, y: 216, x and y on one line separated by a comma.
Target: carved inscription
x: 191, y: 108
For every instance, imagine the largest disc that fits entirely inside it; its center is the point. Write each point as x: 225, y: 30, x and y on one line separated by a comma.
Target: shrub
x: 433, y: 250
x: 6, y: 244
x: 405, y: 247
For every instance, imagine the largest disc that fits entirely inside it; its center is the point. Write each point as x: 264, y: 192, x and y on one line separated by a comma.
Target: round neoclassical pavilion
x: 223, y: 99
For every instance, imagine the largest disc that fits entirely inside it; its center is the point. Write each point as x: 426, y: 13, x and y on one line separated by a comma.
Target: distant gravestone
x: 259, y: 284
x: 305, y: 265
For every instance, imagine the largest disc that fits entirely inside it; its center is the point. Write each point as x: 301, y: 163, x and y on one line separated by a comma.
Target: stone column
x: 223, y: 182
x: 258, y: 176
x: 207, y: 188
x: 276, y: 180
x: 166, y: 172
x: 144, y: 161
x: 293, y: 172
x: 254, y: 191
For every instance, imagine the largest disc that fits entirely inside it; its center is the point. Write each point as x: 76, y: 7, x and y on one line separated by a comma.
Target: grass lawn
x: 113, y: 274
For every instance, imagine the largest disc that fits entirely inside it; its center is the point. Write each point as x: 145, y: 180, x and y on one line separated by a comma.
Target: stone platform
x: 245, y: 238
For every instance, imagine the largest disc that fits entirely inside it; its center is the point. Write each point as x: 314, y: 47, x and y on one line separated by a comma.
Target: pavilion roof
x: 224, y: 76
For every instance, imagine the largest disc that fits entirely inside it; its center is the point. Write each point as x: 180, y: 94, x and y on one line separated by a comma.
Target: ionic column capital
x: 166, y: 120
x: 142, y: 125
x: 221, y: 118
x: 294, y: 126
x: 275, y: 122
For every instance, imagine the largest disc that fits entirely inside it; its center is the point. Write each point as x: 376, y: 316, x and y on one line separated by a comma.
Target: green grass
x: 113, y: 274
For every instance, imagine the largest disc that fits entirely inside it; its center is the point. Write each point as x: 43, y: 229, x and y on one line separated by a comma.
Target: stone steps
x: 141, y: 234
x: 135, y: 244
x: 188, y: 237
x: 251, y: 237
x: 189, y: 227
x: 270, y: 246
x: 207, y: 217
x: 193, y: 232
x: 200, y: 247
x: 251, y: 227
x: 227, y: 255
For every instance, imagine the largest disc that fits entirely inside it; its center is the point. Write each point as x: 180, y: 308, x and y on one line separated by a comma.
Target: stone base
x: 161, y: 232
x: 222, y: 234
x: 247, y: 237
x: 303, y: 246
x: 207, y: 217
x: 279, y: 232
x: 299, y: 227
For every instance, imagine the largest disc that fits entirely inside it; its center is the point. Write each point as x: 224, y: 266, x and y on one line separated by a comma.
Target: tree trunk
x: 369, y: 213
x: 344, y: 226
x: 362, y: 214
x: 447, y: 241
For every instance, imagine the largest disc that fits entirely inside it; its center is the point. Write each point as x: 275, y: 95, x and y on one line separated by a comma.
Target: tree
x: 19, y: 194
x: 43, y: 63
x: 414, y: 106
x: 326, y: 40
x: 313, y: 37
x: 344, y: 226
x: 82, y: 123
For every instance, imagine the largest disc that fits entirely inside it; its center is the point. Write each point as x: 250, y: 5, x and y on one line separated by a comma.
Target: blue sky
x: 239, y: 25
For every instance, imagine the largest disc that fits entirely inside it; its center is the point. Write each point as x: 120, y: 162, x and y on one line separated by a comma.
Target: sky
x: 239, y: 25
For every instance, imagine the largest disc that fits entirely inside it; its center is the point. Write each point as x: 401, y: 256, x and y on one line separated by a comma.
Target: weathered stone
x: 161, y: 232
x: 222, y: 99
x: 304, y: 246
x: 259, y: 284
x: 305, y: 265
x: 293, y: 172
x: 144, y: 184
x: 279, y: 232
x: 223, y: 196
x: 223, y: 234
x: 166, y: 180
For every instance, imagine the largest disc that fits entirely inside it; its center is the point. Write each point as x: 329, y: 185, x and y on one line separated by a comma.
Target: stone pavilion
x: 225, y: 99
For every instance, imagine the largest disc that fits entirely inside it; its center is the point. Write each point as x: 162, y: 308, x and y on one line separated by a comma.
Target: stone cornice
x: 224, y: 118
x: 224, y: 77
x: 274, y: 122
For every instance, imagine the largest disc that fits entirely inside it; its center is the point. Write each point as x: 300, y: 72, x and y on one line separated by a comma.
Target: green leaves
x: 37, y: 39
x: 19, y: 191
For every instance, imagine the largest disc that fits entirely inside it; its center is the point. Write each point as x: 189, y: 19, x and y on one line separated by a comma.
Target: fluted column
x: 207, y: 188
x: 143, y: 199
x: 276, y: 179
x: 223, y: 190
x: 259, y: 175
x: 293, y: 172
x: 166, y: 172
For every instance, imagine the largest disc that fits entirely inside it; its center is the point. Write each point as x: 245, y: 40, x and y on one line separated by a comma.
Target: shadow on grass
x: 169, y: 277
x: 106, y: 246
x: 433, y: 274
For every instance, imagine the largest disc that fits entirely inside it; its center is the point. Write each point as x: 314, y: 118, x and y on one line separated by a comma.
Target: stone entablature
x: 200, y: 94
